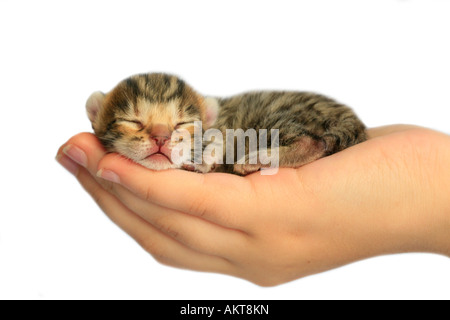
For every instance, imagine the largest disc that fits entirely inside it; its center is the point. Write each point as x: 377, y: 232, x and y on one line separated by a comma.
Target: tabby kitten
x: 140, y: 117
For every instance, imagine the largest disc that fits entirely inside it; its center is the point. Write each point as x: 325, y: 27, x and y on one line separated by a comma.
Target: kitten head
x: 141, y: 115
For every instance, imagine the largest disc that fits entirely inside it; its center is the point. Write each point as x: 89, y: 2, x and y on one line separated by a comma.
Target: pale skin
x: 387, y: 195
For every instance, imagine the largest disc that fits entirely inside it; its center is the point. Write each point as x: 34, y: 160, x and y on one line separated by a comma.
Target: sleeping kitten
x: 141, y: 117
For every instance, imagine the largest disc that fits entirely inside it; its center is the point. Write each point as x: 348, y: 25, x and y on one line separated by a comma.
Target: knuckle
x: 149, y: 245
x: 199, y: 206
x: 149, y: 193
x: 168, y: 227
x: 172, y: 232
x: 97, y: 194
x: 163, y: 260
x: 107, y: 186
x: 156, y: 251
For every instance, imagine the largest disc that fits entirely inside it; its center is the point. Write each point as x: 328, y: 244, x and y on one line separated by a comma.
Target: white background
x: 389, y: 60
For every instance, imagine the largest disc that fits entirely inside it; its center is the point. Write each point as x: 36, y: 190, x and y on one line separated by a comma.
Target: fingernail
x: 68, y: 164
x: 108, y: 175
x: 76, y: 154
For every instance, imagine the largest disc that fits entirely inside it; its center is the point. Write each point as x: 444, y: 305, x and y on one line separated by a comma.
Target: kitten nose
x: 160, y: 141
x: 160, y: 133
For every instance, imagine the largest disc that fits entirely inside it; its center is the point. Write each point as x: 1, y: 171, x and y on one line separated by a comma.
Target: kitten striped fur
x: 310, y: 125
x: 139, y: 116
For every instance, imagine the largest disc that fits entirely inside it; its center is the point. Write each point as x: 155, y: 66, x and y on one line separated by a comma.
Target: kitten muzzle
x: 160, y: 153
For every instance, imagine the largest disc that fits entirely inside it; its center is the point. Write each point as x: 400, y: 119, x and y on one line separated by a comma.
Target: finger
x: 203, y: 195
x: 162, y: 247
x: 194, y: 232
x: 385, y: 130
x: 191, y: 231
x: 84, y: 149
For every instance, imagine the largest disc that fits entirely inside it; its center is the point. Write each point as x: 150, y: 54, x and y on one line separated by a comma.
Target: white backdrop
x: 389, y: 60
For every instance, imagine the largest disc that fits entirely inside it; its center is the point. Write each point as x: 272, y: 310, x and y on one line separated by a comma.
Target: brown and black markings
x: 138, y: 117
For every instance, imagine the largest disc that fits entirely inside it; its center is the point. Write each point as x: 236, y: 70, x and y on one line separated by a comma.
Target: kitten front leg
x: 303, y: 150
x: 209, y: 159
x: 257, y: 160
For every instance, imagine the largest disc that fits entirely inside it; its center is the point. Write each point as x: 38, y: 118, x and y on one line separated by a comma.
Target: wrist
x: 441, y: 233
x: 429, y: 220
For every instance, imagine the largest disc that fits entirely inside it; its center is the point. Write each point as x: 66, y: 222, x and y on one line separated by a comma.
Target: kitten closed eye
x: 133, y: 123
x: 179, y: 125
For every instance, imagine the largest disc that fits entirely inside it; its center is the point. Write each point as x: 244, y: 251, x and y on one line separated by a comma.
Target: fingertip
x: 108, y: 175
x: 76, y: 154
x: 68, y: 164
x: 117, y: 163
x: 84, y: 140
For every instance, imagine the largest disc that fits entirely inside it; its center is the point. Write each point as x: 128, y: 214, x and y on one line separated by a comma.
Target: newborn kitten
x: 140, y: 116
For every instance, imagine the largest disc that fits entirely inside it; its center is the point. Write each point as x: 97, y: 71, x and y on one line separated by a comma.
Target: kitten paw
x: 245, y: 169
x: 188, y: 167
x: 203, y: 168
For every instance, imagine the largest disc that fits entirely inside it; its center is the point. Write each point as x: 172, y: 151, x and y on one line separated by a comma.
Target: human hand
x: 383, y: 196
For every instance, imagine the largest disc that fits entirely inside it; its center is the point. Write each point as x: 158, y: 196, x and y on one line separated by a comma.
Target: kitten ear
x: 94, y: 104
x: 212, y: 110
